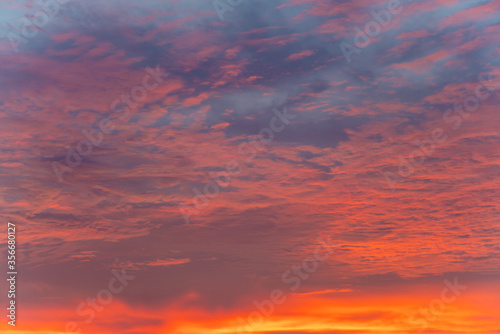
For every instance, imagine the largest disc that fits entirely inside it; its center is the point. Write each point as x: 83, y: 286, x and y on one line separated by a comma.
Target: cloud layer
x: 336, y: 168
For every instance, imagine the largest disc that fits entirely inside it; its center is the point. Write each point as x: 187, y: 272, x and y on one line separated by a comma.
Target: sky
x: 271, y: 167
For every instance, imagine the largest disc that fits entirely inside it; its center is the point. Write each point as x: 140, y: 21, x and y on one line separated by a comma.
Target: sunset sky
x: 255, y: 166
